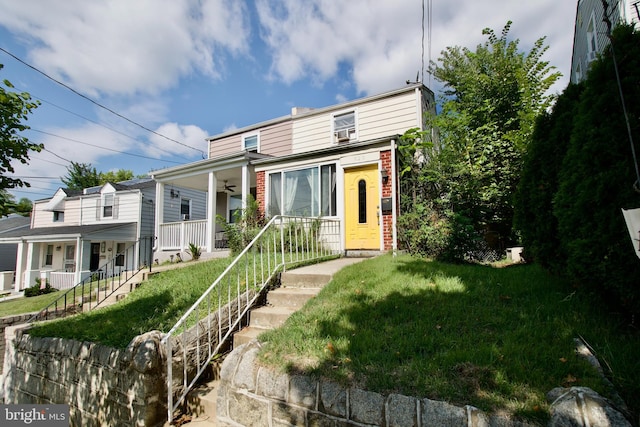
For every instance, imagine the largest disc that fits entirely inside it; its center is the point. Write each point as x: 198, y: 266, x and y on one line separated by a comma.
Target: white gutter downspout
x: 394, y: 210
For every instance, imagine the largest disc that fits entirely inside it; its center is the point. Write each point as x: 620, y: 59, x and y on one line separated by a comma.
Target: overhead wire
x: 99, y: 104
x: 103, y: 148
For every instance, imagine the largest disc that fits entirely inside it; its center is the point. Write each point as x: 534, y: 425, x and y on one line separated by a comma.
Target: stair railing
x: 203, y: 330
x: 100, y: 284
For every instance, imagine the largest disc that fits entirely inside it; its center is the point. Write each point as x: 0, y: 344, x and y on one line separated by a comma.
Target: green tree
x: 491, y: 100
x: 14, y: 110
x: 117, y: 176
x: 80, y: 175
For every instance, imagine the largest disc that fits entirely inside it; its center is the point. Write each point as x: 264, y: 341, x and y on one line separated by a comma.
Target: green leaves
x: 14, y: 110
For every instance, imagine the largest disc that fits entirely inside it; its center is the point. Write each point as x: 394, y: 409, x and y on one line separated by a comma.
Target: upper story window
x: 592, y: 39
x: 344, y: 126
x: 58, y: 216
x: 251, y: 142
x: 107, y: 206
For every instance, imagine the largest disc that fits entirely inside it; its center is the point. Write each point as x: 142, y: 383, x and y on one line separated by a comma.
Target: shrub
x: 195, y: 251
x: 35, y: 290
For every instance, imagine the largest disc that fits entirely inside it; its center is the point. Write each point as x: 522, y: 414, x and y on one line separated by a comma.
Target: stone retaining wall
x: 102, y: 385
x: 250, y: 395
x: 4, y: 323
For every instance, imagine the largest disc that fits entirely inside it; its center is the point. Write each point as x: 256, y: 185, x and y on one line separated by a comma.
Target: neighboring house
x: 337, y: 161
x: 75, y: 233
x: 10, y: 224
x: 590, y: 34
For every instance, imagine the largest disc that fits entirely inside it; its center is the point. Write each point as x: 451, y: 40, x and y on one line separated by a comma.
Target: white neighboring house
x: 75, y: 233
x: 590, y: 33
x: 337, y: 161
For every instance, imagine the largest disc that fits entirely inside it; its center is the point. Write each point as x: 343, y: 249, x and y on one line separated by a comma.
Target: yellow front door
x: 362, y: 208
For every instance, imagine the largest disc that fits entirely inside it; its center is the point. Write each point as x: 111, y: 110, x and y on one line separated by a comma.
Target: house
x: 337, y: 161
x: 590, y: 33
x: 75, y: 233
x: 9, y: 224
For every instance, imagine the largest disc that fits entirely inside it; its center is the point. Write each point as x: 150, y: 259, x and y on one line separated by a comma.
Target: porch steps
x: 297, y: 287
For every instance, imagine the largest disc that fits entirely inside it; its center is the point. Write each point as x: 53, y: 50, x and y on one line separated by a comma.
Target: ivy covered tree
x: 14, y: 111
x: 491, y: 100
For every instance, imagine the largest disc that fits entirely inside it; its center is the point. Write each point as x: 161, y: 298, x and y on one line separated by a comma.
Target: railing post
x: 284, y: 264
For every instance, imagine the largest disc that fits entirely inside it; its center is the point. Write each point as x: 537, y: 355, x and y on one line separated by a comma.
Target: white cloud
x: 190, y: 139
x: 383, y: 44
x: 125, y: 47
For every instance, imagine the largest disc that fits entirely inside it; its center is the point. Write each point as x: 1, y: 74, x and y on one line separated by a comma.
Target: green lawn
x: 495, y: 338
x: 24, y: 305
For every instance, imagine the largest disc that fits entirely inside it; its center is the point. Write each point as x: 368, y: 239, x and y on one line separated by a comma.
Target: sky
x: 139, y: 85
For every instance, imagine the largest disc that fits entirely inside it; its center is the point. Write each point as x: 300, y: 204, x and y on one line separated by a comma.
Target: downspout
x: 394, y: 193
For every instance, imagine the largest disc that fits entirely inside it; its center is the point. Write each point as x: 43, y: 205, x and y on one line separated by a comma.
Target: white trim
x: 244, y: 137
x: 351, y: 138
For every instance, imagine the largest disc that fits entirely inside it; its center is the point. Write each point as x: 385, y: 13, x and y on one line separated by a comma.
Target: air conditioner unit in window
x: 185, y: 217
x: 342, y: 135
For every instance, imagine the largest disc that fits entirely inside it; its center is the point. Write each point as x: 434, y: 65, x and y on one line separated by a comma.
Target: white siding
x: 377, y: 118
x: 172, y: 205
x: 44, y: 218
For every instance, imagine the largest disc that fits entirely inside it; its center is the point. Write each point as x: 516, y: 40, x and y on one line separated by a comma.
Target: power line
x: 98, y: 104
x: 103, y: 148
x: 103, y: 125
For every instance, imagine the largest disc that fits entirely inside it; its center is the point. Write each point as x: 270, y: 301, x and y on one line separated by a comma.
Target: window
x: 344, y: 126
x: 70, y: 258
x: 107, y: 206
x: 303, y: 192
x: 185, y: 209
x: 58, y: 216
x: 362, y: 201
x: 120, y: 255
x: 48, y: 259
x: 235, y: 208
x: 250, y: 142
x: 592, y: 39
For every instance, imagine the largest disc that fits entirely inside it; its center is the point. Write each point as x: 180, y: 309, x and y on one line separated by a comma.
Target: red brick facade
x: 387, y: 218
x: 260, y: 189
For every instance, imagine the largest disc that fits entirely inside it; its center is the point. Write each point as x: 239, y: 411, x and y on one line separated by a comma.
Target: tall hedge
x: 595, y: 180
x: 534, y: 215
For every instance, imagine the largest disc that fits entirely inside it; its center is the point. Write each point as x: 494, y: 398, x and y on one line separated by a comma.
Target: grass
x: 157, y: 305
x: 495, y: 338
x: 24, y: 305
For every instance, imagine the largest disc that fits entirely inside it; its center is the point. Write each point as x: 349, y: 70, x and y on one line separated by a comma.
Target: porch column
x: 79, y: 252
x: 159, y: 215
x: 211, y: 212
x: 246, y: 182
x: 33, y: 259
x: 20, y: 267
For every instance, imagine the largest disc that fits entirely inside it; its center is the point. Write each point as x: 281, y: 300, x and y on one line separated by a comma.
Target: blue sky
x: 189, y: 69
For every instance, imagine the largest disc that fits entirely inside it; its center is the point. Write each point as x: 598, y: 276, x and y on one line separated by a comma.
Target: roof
x: 131, y: 184
x: 70, y: 231
x: 13, y: 222
x: 305, y: 112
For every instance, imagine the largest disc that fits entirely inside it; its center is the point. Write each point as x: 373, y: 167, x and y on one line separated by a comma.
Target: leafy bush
x: 35, y: 290
x: 446, y: 237
x: 246, y: 225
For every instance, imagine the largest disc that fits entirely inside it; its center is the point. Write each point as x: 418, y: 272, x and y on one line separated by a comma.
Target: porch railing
x: 177, y: 235
x: 61, y: 279
x: 203, y: 330
x: 102, y: 283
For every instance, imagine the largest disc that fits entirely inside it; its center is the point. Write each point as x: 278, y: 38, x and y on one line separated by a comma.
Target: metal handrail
x: 100, y: 279
x: 204, y: 329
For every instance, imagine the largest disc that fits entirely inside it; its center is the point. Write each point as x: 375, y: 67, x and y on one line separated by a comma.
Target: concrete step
x: 201, y: 404
x: 293, y: 279
x: 246, y: 335
x: 269, y: 317
x: 291, y: 297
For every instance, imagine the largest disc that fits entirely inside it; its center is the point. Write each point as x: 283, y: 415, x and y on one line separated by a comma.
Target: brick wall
x: 387, y: 218
x: 260, y: 191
